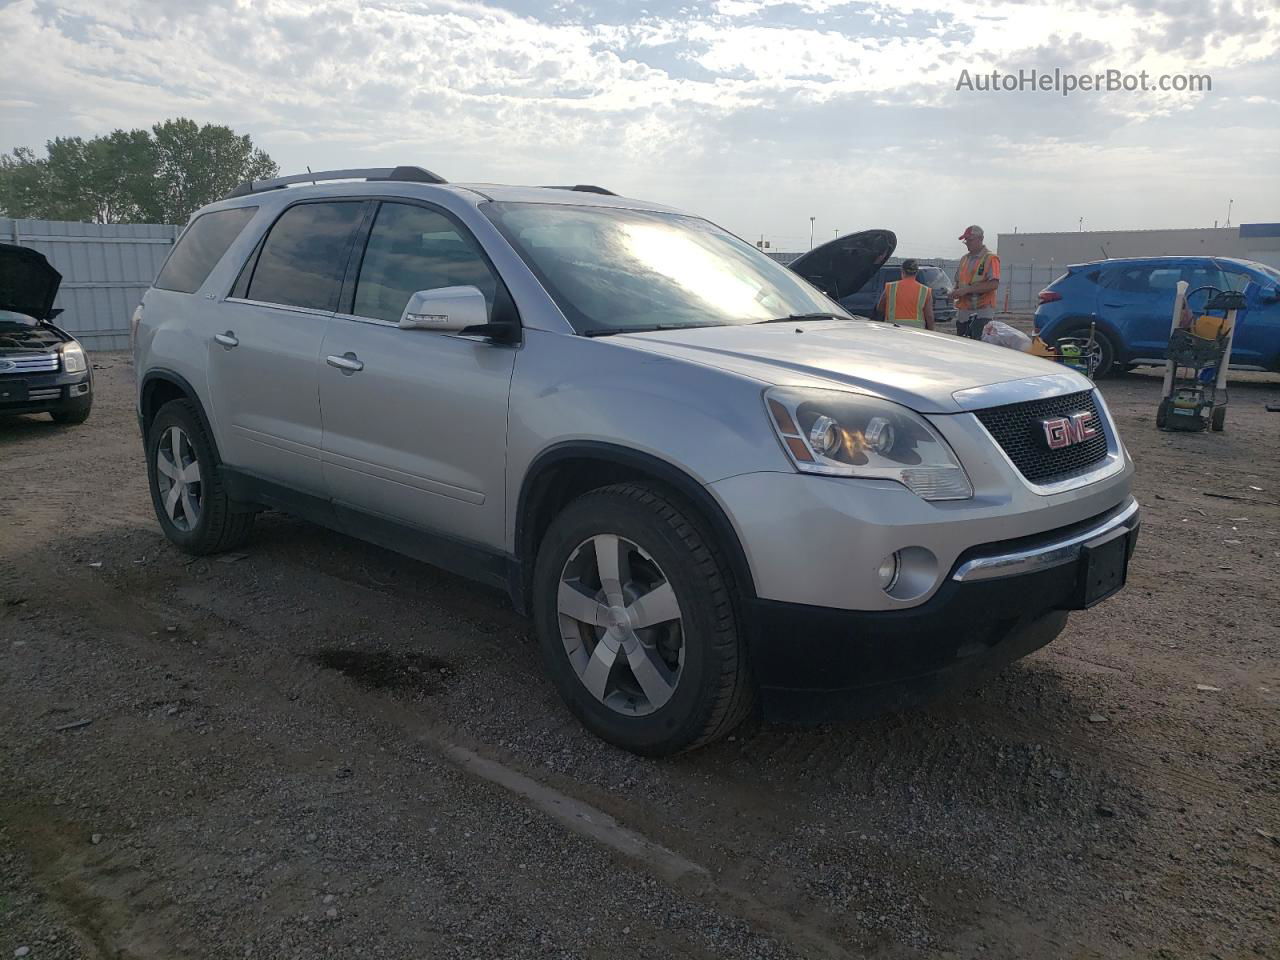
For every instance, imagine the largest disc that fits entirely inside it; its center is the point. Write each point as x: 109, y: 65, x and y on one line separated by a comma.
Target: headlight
x: 73, y: 358
x: 842, y: 434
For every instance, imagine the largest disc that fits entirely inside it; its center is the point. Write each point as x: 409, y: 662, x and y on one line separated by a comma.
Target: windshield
x: 1267, y: 271
x: 614, y: 270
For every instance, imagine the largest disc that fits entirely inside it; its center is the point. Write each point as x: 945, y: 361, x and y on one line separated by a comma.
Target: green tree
x: 130, y: 176
x: 196, y: 165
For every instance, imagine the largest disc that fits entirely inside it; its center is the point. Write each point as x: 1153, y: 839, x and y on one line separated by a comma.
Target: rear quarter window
x: 200, y: 248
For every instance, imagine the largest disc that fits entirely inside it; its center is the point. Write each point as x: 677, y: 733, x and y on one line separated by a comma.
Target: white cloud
x: 841, y: 107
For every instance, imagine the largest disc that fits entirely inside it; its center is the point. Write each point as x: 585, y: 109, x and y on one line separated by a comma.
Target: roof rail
x: 583, y: 188
x: 404, y: 174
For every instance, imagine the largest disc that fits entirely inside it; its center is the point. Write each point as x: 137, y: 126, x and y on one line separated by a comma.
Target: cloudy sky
x: 756, y: 113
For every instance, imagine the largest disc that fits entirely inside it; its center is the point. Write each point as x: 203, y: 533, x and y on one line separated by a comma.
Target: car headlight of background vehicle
x: 840, y: 434
x: 73, y: 360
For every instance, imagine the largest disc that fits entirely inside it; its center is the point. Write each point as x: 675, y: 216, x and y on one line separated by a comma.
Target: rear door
x: 1136, y: 300
x: 264, y: 354
x: 415, y: 422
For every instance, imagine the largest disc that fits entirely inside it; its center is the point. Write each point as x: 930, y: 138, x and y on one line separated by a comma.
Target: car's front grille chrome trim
x: 1057, y: 548
x: 28, y: 363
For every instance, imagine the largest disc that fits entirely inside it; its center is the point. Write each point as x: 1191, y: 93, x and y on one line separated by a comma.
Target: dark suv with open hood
x: 43, y: 368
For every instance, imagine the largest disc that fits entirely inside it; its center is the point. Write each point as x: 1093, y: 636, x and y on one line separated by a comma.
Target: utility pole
x: 811, y: 219
x: 1080, y: 226
x: 1229, y: 203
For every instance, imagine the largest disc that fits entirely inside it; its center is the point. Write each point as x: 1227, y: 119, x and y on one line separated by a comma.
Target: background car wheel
x: 70, y: 417
x: 186, y: 488
x: 634, y: 610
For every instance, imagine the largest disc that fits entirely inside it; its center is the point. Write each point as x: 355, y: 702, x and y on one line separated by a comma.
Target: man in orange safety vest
x: 977, y: 279
x: 907, y: 301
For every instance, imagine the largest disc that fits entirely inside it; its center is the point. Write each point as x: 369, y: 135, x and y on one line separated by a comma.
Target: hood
x: 28, y: 283
x: 917, y: 368
x: 843, y: 266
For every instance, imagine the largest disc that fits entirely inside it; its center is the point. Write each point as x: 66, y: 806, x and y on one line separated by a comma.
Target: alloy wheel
x: 178, y: 479
x: 621, y: 625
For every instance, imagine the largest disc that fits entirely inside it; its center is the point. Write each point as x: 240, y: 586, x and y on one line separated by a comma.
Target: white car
x: 708, y: 484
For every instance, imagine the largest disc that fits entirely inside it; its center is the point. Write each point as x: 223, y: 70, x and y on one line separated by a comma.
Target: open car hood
x: 28, y: 283
x: 842, y: 266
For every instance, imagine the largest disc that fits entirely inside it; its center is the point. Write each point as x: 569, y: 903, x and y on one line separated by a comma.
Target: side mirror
x: 1270, y: 295
x: 445, y: 310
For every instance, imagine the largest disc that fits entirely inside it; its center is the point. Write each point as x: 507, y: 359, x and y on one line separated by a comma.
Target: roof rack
x: 404, y: 174
x: 582, y: 188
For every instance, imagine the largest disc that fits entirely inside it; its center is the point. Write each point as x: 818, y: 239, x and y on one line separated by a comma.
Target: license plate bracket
x: 1104, y: 567
x: 13, y: 391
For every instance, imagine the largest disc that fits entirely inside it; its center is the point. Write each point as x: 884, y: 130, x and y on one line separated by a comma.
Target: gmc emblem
x: 1062, y: 432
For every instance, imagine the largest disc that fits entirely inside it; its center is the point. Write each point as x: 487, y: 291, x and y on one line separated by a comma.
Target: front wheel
x: 70, y: 418
x: 1103, y: 355
x: 634, y: 610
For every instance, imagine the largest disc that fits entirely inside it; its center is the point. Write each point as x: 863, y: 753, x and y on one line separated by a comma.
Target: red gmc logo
x: 1062, y: 432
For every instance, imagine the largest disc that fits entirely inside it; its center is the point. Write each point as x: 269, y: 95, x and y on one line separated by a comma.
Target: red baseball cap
x: 974, y: 231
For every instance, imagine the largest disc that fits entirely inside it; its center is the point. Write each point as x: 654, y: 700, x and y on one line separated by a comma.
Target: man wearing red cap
x: 976, y: 283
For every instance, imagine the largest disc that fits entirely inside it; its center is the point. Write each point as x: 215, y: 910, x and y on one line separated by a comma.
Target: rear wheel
x: 186, y: 489
x: 634, y: 611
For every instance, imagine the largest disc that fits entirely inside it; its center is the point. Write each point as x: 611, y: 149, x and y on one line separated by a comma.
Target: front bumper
x: 999, y: 603
x: 46, y: 392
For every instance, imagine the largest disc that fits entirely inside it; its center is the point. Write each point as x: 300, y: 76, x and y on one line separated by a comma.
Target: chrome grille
x: 1016, y: 427
x: 28, y: 363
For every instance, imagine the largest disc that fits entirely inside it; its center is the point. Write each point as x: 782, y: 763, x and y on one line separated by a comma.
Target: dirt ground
x: 318, y: 748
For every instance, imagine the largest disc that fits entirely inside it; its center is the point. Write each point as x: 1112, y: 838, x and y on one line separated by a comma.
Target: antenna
x: 313, y: 179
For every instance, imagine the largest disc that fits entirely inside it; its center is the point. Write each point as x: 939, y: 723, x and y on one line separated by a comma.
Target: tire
x: 665, y: 546
x: 70, y: 418
x: 205, y: 519
x: 1218, y: 422
x: 1107, y: 365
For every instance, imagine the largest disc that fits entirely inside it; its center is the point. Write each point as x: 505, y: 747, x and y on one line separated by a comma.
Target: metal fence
x: 105, y: 267
x: 1020, y: 283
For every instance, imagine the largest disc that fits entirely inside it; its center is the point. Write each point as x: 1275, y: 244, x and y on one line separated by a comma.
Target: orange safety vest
x: 904, y: 301
x: 976, y: 270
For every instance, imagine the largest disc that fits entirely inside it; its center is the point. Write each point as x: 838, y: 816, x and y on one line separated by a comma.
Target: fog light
x: 889, y: 569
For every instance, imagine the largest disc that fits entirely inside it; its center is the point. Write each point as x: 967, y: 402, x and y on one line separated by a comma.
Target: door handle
x: 227, y: 339
x: 348, y: 363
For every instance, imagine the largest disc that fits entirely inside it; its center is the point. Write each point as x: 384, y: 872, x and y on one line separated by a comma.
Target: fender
x: 165, y: 375
x: 645, y: 464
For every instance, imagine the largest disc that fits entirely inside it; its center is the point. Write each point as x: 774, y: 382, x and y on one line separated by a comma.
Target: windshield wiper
x: 805, y: 316
x: 650, y: 328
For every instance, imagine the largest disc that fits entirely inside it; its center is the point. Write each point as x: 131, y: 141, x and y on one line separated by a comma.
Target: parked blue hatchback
x: 1131, y: 302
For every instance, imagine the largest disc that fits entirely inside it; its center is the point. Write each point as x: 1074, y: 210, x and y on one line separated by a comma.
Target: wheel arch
x: 567, y: 470
x: 161, y: 386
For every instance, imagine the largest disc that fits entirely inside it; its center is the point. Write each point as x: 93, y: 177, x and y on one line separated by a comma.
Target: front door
x: 264, y: 353
x: 415, y: 422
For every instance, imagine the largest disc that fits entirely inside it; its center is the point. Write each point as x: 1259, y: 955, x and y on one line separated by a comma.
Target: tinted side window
x: 305, y: 255
x: 200, y: 248
x: 1129, y: 279
x: 410, y: 249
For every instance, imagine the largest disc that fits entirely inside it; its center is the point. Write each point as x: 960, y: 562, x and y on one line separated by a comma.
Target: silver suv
x: 707, y: 484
